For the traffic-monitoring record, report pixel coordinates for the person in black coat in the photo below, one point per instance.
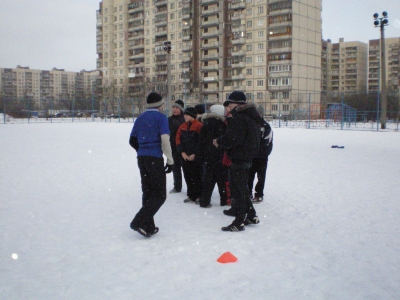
(242, 140)
(174, 122)
(213, 127)
(260, 163)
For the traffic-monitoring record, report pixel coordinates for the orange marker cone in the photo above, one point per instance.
(227, 257)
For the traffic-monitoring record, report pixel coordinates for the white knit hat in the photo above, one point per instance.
(218, 109)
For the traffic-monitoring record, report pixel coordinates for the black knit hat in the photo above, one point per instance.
(154, 100)
(191, 111)
(179, 104)
(200, 109)
(236, 97)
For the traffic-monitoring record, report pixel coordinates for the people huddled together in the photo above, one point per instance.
(226, 145)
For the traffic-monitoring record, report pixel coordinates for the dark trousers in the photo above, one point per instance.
(192, 172)
(259, 167)
(214, 173)
(240, 192)
(177, 171)
(154, 185)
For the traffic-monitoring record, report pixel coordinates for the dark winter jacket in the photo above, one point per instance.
(213, 127)
(187, 137)
(174, 123)
(266, 141)
(242, 136)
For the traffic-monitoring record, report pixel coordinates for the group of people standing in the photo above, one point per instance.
(227, 146)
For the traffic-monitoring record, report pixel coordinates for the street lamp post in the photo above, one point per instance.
(167, 49)
(382, 22)
(184, 86)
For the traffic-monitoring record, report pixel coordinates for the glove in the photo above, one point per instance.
(168, 168)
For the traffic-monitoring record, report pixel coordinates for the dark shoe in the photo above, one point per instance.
(188, 200)
(257, 199)
(234, 227)
(206, 206)
(174, 191)
(140, 230)
(252, 220)
(156, 229)
(229, 212)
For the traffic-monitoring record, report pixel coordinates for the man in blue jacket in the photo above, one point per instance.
(150, 138)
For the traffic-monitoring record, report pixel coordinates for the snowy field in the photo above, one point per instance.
(330, 224)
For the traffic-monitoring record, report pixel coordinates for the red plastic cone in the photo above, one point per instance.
(227, 257)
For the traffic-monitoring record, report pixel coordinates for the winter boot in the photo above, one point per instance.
(235, 226)
(257, 199)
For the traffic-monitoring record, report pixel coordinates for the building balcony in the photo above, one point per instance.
(161, 22)
(160, 2)
(210, 23)
(212, 33)
(214, 56)
(137, 55)
(239, 53)
(210, 79)
(213, 90)
(136, 7)
(209, 12)
(214, 67)
(161, 33)
(210, 45)
(238, 77)
(187, 37)
(136, 28)
(241, 28)
(239, 65)
(238, 5)
(208, 2)
(240, 41)
(186, 48)
(236, 17)
(186, 16)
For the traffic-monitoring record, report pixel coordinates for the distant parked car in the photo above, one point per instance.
(59, 115)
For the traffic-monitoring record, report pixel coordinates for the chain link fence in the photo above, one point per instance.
(356, 111)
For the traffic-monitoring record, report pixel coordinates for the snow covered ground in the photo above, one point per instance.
(330, 224)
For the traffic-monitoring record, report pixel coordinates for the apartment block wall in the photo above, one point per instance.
(43, 87)
(270, 49)
(392, 55)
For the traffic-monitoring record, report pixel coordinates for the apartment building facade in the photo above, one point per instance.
(344, 68)
(392, 57)
(45, 89)
(269, 49)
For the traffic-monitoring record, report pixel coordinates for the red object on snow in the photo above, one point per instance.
(227, 257)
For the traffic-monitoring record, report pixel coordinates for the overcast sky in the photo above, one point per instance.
(43, 34)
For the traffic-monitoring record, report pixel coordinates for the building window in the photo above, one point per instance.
(260, 71)
(260, 82)
(260, 9)
(249, 71)
(274, 107)
(260, 95)
(249, 23)
(260, 46)
(248, 83)
(260, 34)
(285, 107)
(249, 35)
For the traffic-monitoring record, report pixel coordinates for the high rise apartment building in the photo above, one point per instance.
(392, 57)
(269, 49)
(344, 68)
(45, 89)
